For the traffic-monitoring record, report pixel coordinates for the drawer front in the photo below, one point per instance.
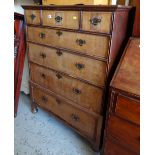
(112, 148)
(97, 21)
(88, 69)
(128, 109)
(84, 43)
(64, 19)
(32, 17)
(82, 121)
(83, 94)
(126, 133)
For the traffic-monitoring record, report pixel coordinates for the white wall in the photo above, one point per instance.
(18, 3)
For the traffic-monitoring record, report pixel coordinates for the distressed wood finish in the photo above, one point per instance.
(123, 116)
(112, 148)
(93, 71)
(72, 115)
(126, 133)
(32, 17)
(90, 44)
(72, 59)
(65, 19)
(97, 21)
(83, 94)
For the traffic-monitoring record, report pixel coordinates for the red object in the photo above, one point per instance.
(19, 56)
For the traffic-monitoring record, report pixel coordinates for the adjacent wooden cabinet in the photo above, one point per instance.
(122, 132)
(72, 50)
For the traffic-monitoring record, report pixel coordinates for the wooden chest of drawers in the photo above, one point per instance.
(72, 50)
(122, 133)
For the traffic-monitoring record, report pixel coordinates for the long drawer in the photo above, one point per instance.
(85, 43)
(88, 69)
(64, 19)
(125, 132)
(81, 93)
(80, 120)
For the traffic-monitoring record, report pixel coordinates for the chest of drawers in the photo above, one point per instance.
(122, 133)
(72, 50)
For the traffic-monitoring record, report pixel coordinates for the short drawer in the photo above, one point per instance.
(63, 19)
(126, 133)
(88, 96)
(85, 68)
(97, 21)
(112, 148)
(82, 121)
(84, 43)
(32, 17)
(128, 108)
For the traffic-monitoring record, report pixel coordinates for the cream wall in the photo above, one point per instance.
(18, 3)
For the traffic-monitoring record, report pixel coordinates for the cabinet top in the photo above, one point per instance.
(127, 75)
(78, 7)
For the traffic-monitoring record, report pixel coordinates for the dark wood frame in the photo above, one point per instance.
(19, 59)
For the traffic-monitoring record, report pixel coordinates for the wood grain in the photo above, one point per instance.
(70, 19)
(36, 20)
(103, 26)
(126, 133)
(75, 117)
(89, 97)
(93, 71)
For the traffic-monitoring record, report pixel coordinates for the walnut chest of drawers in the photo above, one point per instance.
(122, 133)
(72, 50)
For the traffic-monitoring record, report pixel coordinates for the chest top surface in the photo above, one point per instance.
(127, 75)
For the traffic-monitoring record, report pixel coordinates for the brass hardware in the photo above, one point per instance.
(75, 117)
(43, 76)
(59, 53)
(42, 35)
(43, 55)
(32, 16)
(44, 99)
(59, 33)
(80, 42)
(58, 19)
(76, 91)
(94, 21)
(58, 76)
(79, 66)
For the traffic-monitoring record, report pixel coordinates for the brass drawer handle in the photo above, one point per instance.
(79, 66)
(80, 42)
(42, 35)
(59, 33)
(75, 117)
(58, 19)
(43, 55)
(58, 76)
(94, 21)
(43, 75)
(44, 99)
(76, 91)
(32, 16)
(59, 53)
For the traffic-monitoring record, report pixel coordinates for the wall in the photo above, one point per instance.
(18, 3)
